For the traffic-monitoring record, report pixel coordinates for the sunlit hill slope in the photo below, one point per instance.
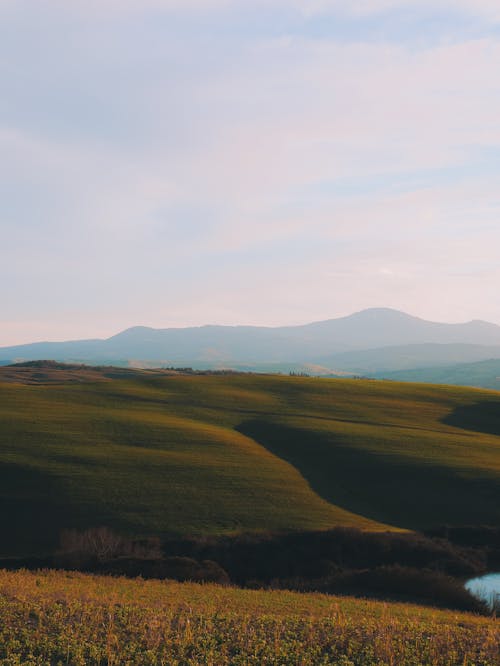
(67, 618)
(157, 453)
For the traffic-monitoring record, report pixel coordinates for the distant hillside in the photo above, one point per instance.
(394, 340)
(148, 452)
(406, 357)
(484, 374)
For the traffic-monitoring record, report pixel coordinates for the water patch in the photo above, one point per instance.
(486, 588)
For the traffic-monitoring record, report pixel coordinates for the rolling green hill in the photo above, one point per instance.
(158, 453)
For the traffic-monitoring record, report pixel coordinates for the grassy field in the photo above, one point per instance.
(51, 618)
(156, 454)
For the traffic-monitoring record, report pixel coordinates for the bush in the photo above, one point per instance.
(100, 544)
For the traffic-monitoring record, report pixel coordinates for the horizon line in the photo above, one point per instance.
(267, 326)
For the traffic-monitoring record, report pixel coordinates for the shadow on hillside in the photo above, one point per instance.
(385, 488)
(34, 507)
(482, 416)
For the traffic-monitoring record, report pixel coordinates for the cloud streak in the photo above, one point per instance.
(169, 163)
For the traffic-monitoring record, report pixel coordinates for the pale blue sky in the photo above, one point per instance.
(171, 163)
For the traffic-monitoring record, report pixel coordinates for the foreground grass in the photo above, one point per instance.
(49, 618)
(152, 454)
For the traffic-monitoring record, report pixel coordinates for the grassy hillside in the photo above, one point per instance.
(62, 618)
(152, 453)
(485, 374)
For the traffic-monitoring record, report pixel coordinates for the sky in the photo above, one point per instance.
(184, 162)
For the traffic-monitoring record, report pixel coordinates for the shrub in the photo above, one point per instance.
(100, 544)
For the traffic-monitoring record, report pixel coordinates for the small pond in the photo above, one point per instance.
(486, 588)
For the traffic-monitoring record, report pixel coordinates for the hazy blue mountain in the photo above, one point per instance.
(382, 327)
(366, 341)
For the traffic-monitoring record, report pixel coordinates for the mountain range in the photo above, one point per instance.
(371, 342)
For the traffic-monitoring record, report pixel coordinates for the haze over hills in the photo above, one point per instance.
(366, 342)
(482, 374)
(409, 357)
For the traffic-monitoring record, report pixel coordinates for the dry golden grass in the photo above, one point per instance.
(52, 618)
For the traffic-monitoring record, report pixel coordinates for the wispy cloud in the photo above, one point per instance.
(167, 163)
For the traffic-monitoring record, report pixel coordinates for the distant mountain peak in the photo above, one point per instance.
(481, 322)
(383, 312)
(203, 346)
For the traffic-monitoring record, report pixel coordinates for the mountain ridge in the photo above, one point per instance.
(360, 333)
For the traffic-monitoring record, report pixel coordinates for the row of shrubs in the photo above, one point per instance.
(394, 582)
(485, 538)
(267, 556)
(342, 561)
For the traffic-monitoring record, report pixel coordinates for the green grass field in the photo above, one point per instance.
(155, 454)
(50, 617)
